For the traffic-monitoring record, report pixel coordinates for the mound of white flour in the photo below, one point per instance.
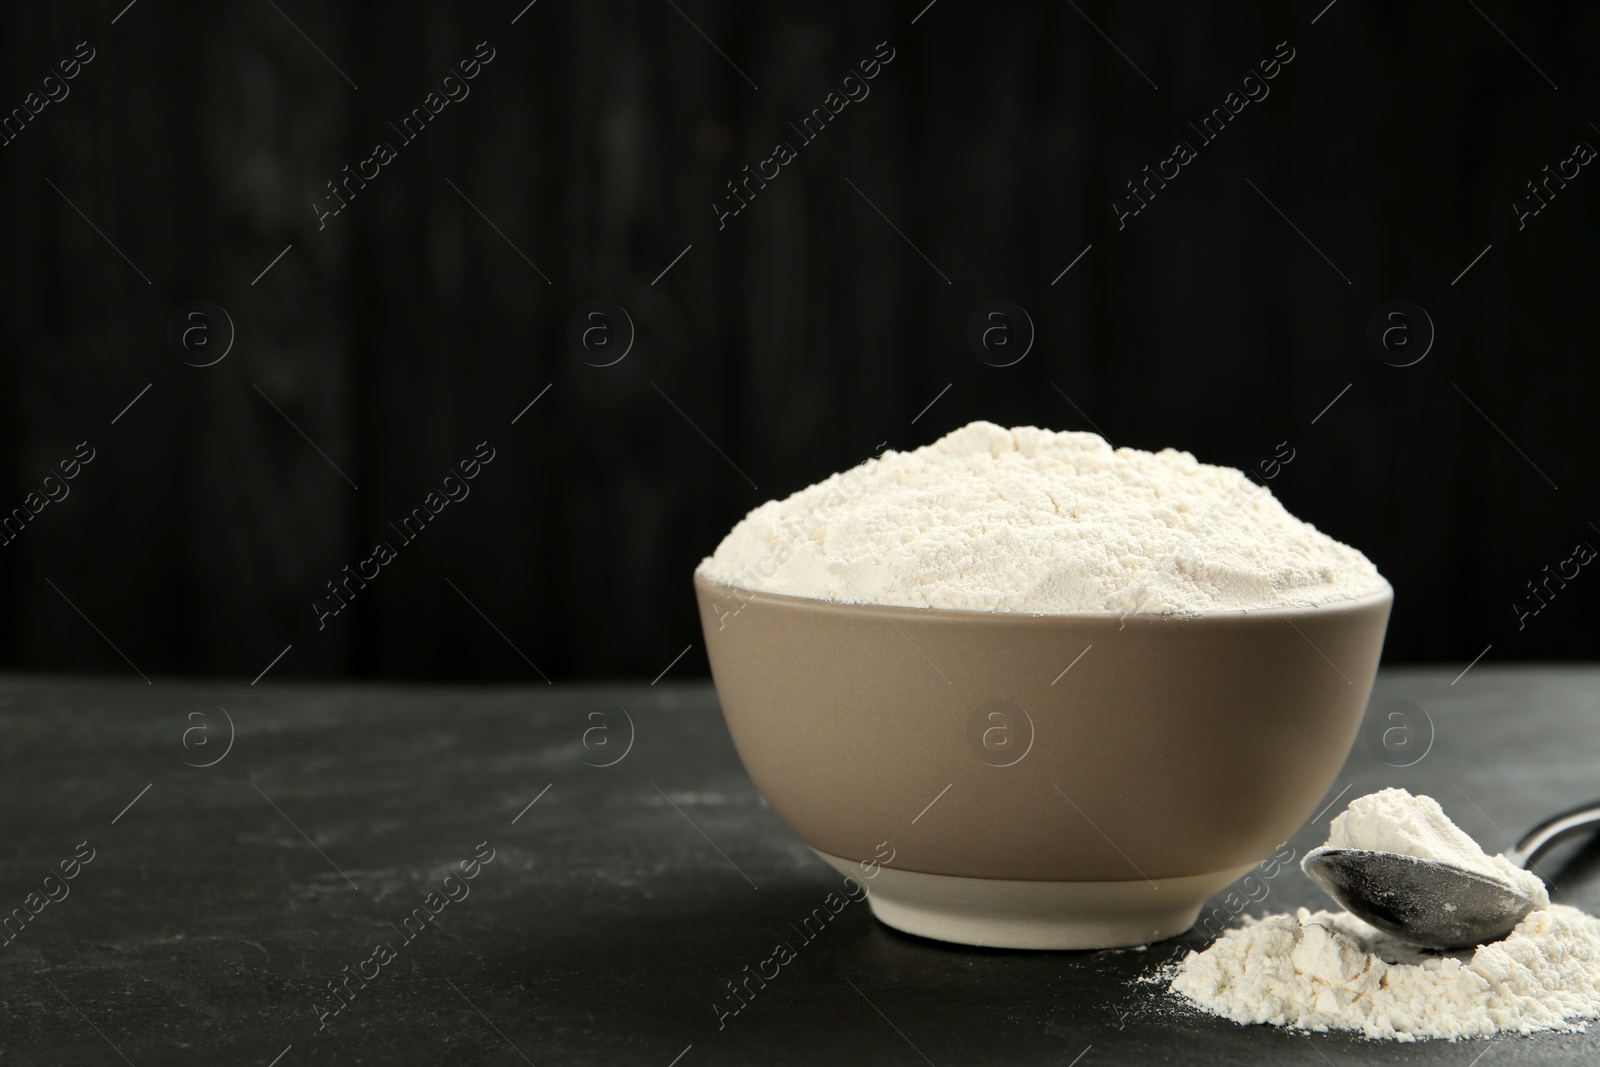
(1328, 971)
(1392, 820)
(1332, 971)
(1030, 520)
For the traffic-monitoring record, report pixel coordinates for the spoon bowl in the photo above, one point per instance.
(1424, 902)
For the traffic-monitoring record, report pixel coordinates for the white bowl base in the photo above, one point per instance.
(996, 913)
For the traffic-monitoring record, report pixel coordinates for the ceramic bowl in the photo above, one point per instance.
(1040, 781)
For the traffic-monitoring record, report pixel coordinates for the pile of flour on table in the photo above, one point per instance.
(1332, 971)
(1030, 520)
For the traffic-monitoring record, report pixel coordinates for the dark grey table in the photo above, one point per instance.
(221, 902)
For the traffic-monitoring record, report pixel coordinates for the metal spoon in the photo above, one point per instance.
(1434, 904)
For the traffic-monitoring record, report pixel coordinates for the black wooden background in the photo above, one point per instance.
(808, 333)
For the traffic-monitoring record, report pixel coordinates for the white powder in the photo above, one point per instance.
(1328, 971)
(1030, 520)
(1392, 820)
(1332, 971)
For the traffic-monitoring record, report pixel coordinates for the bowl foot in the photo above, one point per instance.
(997, 913)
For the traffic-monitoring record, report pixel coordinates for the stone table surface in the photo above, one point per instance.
(221, 901)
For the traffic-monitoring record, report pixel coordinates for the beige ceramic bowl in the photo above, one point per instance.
(1027, 781)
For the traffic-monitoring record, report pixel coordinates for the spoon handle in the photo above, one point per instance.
(1552, 832)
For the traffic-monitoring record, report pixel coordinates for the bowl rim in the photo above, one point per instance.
(996, 617)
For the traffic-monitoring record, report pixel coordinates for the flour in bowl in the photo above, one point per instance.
(1030, 520)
